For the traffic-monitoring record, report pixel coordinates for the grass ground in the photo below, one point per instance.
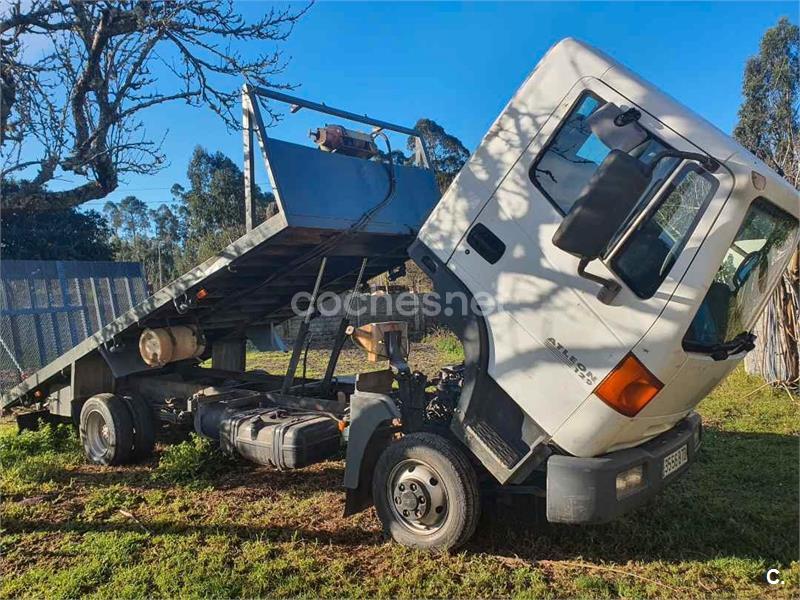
(192, 523)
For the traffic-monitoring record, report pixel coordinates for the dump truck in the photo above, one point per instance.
(602, 256)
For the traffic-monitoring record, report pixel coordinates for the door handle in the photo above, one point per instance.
(486, 243)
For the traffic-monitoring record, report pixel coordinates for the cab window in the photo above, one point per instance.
(647, 255)
(756, 257)
(570, 159)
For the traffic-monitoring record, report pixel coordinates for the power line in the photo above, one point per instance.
(153, 189)
(103, 202)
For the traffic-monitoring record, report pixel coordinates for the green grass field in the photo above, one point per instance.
(192, 523)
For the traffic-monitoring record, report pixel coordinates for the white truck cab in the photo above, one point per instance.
(628, 247)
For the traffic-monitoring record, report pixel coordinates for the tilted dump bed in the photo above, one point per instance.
(331, 205)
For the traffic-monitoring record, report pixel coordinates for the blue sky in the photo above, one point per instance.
(458, 63)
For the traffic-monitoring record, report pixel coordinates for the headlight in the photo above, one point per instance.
(630, 481)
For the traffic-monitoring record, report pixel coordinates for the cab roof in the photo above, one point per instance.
(692, 127)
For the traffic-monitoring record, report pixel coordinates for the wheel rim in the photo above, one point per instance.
(418, 496)
(98, 434)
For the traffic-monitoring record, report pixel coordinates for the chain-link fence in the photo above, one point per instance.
(48, 307)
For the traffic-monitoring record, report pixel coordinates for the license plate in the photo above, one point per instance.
(674, 461)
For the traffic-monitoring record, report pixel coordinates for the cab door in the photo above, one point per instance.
(552, 340)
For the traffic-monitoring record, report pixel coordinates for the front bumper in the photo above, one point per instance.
(584, 490)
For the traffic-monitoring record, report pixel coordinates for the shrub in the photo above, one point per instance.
(194, 459)
(16, 447)
(446, 342)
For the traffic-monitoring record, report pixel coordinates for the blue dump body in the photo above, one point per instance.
(330, 205)
(331, 191)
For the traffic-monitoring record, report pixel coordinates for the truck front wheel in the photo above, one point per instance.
(426, 493)
(106, 429)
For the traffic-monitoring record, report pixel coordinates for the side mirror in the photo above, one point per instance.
(602, 206)
(600, 211)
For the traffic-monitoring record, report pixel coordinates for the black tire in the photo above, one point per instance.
(445, 470)
(106, 429)
(144, 428)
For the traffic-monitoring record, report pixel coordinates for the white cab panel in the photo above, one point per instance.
(512, 131)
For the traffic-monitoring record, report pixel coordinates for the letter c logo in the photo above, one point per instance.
(773, 577)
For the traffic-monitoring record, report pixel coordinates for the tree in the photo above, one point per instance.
(446, 151)
(54, 235)
(76, 108)
(167, 226)
(204, 218)
(768, 118)
(169, 230)
(215, 198)
(214, 205)
(769, 127)
(152, 237)
(128, 218)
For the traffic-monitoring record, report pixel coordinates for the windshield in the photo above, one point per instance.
(751, 265)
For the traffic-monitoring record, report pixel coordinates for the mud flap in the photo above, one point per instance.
(370, 432)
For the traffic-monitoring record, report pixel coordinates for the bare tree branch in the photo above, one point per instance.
(77, 107)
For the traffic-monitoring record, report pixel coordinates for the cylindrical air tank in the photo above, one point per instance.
(169, 344)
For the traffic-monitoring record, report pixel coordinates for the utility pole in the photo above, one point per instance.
(160, 279)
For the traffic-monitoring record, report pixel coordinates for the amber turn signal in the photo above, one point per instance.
(629, 387)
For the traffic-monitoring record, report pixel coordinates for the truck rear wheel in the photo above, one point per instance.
(144, 428)
(426, 493)
(106, 429)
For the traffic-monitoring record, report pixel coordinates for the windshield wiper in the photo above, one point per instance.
(744, 342)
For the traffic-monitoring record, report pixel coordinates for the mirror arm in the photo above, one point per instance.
(709, 163)
(610, 287)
